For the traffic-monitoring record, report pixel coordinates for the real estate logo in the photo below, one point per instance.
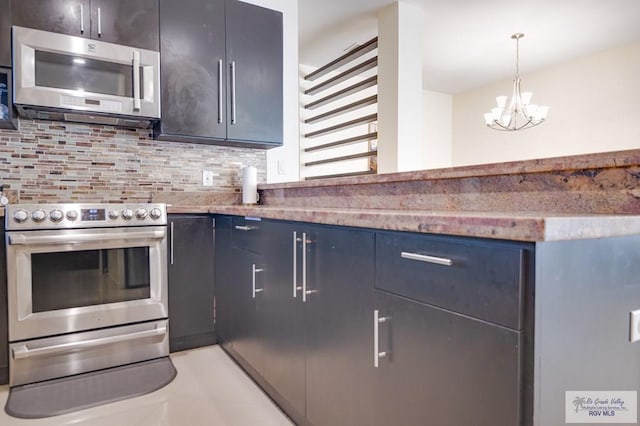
(601, 407)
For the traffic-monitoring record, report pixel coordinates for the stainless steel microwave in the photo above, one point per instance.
(62, 77)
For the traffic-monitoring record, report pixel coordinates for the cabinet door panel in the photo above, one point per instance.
(5, 33)
(254, 50)
(285, 351)
(248, 332)
(444, 369)
(192, 51)
(191, 282)
(128, 22)
(339, 336)
(59, 16)
(224, 282)
(4, 332)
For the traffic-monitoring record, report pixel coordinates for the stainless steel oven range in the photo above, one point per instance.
(87, 287)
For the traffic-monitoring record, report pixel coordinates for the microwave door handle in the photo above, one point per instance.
(136, 80)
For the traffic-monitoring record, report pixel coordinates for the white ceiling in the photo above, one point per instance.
(467, 42)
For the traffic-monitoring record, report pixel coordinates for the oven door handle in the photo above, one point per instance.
(24, 239)
(23, 351)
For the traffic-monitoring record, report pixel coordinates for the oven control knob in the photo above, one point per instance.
(56, 215)
(141, 213)
(20, 216)
(114, 214)
(38, 215)
(72, 215)
(127, 214)
(155, 213)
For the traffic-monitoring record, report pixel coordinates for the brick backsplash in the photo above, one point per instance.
(48, 161)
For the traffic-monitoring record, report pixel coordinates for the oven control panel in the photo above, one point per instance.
(62, 216)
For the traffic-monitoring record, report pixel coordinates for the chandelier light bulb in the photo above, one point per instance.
(520, 113)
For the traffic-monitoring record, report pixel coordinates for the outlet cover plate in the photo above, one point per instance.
(634, 326)
(207, 178)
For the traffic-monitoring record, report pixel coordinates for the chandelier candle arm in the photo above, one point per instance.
(520, 114)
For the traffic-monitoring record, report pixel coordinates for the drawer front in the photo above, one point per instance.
(246, 233)
(480, 279)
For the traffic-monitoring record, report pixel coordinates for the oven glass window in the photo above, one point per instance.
(84, 74)
(92, 277)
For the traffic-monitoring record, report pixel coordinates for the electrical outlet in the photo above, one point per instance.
(634, 326)
(207, 178)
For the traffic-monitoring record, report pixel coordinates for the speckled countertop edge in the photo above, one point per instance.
(567, 163)
(516, 226)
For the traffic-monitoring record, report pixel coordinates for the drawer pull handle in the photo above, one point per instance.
(429, 259)
(243, 228)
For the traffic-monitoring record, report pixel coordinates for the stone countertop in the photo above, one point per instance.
(603, 160)
(517, 226)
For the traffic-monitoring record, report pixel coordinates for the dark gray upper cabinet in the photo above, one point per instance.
(59, 16)
(5, 33)
(191, 282)
(254, 64)
(128, 22)
(220, 73)
(192, 67)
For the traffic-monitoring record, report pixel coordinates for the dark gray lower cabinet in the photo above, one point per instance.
(338, 319)
(442, 368)
(299, 316)
(191, 282)
(284, 346)
(4, 330)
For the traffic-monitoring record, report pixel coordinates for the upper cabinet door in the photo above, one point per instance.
(192, 63)
(59, 16)
(5, 33)
(254, 67)
(128, 22)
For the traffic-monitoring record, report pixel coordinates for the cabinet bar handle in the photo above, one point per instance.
(99, 23)
(136, 80)
(243, 228)
(295, 264)
(428, 259)
(233, 92)
(377, 320)
(255, 290)
(219, 91)
(172, 242)
(304, 266)
(81, 18)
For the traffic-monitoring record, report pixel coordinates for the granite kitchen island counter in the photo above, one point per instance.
(517, 226)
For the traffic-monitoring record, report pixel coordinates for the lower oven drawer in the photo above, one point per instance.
(53, 357)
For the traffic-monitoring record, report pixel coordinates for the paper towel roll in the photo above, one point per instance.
(249, 185)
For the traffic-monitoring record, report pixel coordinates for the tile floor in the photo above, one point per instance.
(210, 390)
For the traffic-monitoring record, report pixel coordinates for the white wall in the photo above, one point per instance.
(400, 36)
(282, 162)
(594, 107)
(437, 130)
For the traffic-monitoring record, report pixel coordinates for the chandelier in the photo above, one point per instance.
(520, 114)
